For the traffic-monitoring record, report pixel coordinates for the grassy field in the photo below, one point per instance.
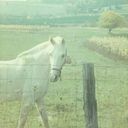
(64, 100)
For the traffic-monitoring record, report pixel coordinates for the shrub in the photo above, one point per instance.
(115, 45)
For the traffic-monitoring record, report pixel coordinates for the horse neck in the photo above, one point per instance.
(42, 57)
(34, 50)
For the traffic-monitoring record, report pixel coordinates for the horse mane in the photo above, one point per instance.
(33, 50)
(37, 48)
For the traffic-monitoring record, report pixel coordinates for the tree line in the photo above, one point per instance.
(97, 2)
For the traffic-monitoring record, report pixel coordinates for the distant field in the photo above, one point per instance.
(65, 99)
(38, 13)
(31, 35)
(124, 9)
(23, 8)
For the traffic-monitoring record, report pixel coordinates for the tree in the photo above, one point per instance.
(111, 20)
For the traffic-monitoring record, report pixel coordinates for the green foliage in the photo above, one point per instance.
(111, 20)
(28, 20)
(84, 6)
(81, 6)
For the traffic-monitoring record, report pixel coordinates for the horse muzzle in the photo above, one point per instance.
(55, 74)
(53, 78)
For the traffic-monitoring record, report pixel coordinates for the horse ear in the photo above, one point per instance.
(51, 40)
(63, 41)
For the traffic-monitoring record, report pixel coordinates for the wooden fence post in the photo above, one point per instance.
(90, 103)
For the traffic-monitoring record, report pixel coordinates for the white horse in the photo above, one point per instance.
(27, 77)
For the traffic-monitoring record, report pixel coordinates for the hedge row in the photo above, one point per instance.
(34, 20)
(112, 47)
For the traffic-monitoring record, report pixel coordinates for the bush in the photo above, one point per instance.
(115, 45)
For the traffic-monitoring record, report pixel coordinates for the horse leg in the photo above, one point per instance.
(41, 108)
(25, 109)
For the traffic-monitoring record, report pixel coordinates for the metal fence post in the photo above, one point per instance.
(90, 103)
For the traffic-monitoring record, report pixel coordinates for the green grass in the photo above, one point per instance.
(65, 99)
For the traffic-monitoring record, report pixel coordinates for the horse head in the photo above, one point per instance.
(57, 57)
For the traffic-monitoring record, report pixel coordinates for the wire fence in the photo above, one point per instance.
(111, 91)
(64, 101)
(61, 101)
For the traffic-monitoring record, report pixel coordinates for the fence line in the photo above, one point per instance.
(64, 100)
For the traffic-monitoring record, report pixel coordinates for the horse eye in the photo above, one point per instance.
(63, 56)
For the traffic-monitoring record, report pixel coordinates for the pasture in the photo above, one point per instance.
(65, 99)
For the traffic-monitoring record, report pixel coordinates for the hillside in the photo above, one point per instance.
(38, 13)
(23, 8)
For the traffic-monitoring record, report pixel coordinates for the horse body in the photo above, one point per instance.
(27, 77)
(25, 74)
